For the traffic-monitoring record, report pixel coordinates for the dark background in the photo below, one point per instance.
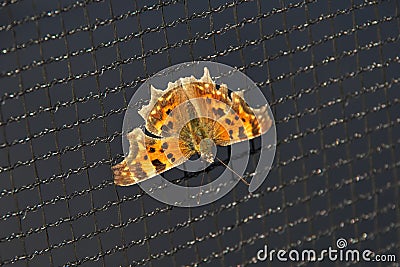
(330, 70)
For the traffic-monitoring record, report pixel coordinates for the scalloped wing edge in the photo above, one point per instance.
(155, 93)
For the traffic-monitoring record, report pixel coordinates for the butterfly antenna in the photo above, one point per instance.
(241, 178)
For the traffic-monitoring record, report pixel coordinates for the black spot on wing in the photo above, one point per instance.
(166, 128)
(158, 165)
(164, 145)
(218, 111)
(170, 124)
(230, 134)
(242, 134)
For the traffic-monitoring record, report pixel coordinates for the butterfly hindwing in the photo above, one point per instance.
(243, 122)
(148, 157)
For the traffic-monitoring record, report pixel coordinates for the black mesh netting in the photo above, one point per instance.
(330, 70)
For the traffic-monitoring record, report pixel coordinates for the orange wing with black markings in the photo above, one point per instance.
(148, 157)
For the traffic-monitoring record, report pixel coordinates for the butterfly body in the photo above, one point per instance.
(191, 116)
(200, 135)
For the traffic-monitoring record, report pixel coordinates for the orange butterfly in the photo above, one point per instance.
(187, 117)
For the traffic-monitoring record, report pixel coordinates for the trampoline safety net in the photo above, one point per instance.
(329, 69)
